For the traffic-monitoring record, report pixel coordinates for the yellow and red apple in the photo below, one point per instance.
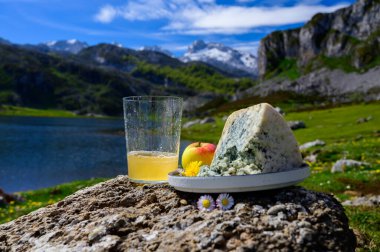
(203, 152)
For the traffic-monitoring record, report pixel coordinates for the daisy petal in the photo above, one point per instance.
(225, 201)
(206, 203)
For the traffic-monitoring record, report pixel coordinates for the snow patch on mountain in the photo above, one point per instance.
(223, 57)
(68, 46)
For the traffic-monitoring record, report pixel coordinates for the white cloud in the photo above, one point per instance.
(197, 17)
(241, 17)
(143, 10)
(250, 47)
(106, 14)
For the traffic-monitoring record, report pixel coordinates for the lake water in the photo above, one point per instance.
(40, 152)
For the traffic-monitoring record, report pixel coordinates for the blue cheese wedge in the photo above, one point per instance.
(254, 140)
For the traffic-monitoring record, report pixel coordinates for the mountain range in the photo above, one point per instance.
(334, 56)
(94, 79)
(226, 58)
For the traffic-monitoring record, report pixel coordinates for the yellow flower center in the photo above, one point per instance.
(192, 169)
(224, 202)
(206, 203)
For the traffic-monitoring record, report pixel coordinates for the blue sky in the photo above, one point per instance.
(171, 24)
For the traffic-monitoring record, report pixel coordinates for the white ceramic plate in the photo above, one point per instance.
(244, 183)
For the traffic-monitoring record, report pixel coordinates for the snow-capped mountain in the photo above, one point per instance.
(69, 46)
(156, 49)
(223, 57)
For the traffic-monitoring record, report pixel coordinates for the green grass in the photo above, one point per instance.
(42, 197)
(366, 222)
(287, 68)
(8, 110)
(337, 124)
(343, 63)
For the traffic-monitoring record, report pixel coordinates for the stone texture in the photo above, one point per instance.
(368, 200)
(314, 143)
(194, 104)
(332, 34)
(342, 164)
(208, 120)
(333, 85)
(294, 125)
(191, 123)
(119, 216)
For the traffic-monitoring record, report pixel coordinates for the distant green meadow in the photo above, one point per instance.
(8, 110)
(340, 128)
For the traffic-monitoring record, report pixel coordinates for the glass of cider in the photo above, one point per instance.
(152, 132)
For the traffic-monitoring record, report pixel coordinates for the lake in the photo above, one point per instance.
(40, 152)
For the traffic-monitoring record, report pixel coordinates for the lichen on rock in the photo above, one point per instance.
(157, 217)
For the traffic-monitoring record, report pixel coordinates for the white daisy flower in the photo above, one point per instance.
(225, 201)
(206, 203)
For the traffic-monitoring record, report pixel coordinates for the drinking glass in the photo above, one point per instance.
(152, 133)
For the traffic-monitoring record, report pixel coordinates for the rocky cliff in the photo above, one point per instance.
(119, 216)
(351, 34)
(335, 86)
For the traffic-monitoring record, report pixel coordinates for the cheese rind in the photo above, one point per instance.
(255, 140)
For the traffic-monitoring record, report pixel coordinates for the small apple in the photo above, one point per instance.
(198, 151)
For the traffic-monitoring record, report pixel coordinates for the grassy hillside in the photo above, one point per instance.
(194, 76)
(85, 84)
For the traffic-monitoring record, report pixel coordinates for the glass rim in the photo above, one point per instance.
(151, 98)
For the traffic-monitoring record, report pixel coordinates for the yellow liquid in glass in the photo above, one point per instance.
(151, 166)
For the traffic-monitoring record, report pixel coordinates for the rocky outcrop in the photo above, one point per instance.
(119, 216)
(333, 85)
(199, 103)
(352, 32)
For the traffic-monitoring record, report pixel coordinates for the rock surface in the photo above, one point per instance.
(334, 85)
(342, 164)
(294, 125)
(369, 200)
(207, 120)
(254, 140)
(191, 123)
(308, 145)
(119, 216)
(351, 31)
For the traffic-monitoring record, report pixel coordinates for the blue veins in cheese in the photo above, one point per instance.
(254, 140)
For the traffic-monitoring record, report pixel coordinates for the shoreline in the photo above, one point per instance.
(10, 110)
